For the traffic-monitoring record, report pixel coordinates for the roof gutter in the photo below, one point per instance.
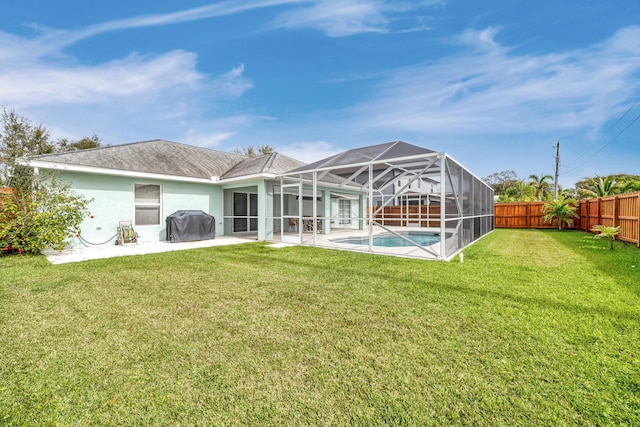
(114, 172)
(247, 177)
(133, 174)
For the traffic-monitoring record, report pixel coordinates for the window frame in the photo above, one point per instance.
(146, 204)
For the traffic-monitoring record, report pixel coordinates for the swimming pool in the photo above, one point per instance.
(389, 240)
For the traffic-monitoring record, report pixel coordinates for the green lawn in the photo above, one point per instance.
(534, 328)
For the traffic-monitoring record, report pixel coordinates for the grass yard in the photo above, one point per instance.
(534, 328)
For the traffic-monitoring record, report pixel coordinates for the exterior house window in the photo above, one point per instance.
(344, 211)
(147, 204)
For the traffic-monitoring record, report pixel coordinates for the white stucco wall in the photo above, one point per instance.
(113, 202)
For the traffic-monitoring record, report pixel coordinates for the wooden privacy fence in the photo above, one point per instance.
(520, 215)
(421, 215)
(622, 210)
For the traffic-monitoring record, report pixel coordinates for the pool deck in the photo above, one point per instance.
(327, 241)
(82, 253)
(85, 253)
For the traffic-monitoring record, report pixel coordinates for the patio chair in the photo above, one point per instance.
(293, 224)
(311, 224)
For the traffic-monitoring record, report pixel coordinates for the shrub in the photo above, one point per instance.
(562, 210)
(606, 231)
(43, 218)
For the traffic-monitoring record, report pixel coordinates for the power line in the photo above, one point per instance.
(602, 137)
(607, 144)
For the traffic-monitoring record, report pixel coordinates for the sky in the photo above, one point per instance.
(494, 84)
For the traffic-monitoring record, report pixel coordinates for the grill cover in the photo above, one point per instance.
(188, 226)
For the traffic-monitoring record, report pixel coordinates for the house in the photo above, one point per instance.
(393, 198)
(144, 182)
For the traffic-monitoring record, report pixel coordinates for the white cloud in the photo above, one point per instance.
(337, 18)
(232, 83)
(131, 98)
(342, 18)
(135, 78)
(483, 40)
(309, 152)
(491, 90)
(225, 8)
(137, 97)
(206, 139)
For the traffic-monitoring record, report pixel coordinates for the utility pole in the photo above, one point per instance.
(555, 185)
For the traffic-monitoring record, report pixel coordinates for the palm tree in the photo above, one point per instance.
(601, 187)
(607, 231)
(630, 187)
(519, 192)
(540, 184)
(561, 210)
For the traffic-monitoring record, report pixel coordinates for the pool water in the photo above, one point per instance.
(391, 240)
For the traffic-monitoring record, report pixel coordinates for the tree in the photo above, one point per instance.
(562, 210)
(250, 151)
(500, 181)
(82, 144)
(540, 184)
(20, 138)
(628, 183)
(569, 193)
(601, 187)
(45, 217)
(606, 231)
(518, 192)
(630, 187)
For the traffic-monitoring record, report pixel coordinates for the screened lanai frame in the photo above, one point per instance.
(459, 206)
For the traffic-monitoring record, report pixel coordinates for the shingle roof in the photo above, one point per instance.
(274, 163)
(172, 158)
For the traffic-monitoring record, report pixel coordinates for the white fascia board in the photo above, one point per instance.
(115, 172)
(247, 178)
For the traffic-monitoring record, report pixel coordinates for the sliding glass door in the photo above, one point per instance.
(245, 212)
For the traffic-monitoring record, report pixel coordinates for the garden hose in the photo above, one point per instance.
(85, 242)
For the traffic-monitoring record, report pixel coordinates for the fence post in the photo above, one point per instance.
(580, 220)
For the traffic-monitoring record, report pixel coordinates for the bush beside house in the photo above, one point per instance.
(44, 218)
